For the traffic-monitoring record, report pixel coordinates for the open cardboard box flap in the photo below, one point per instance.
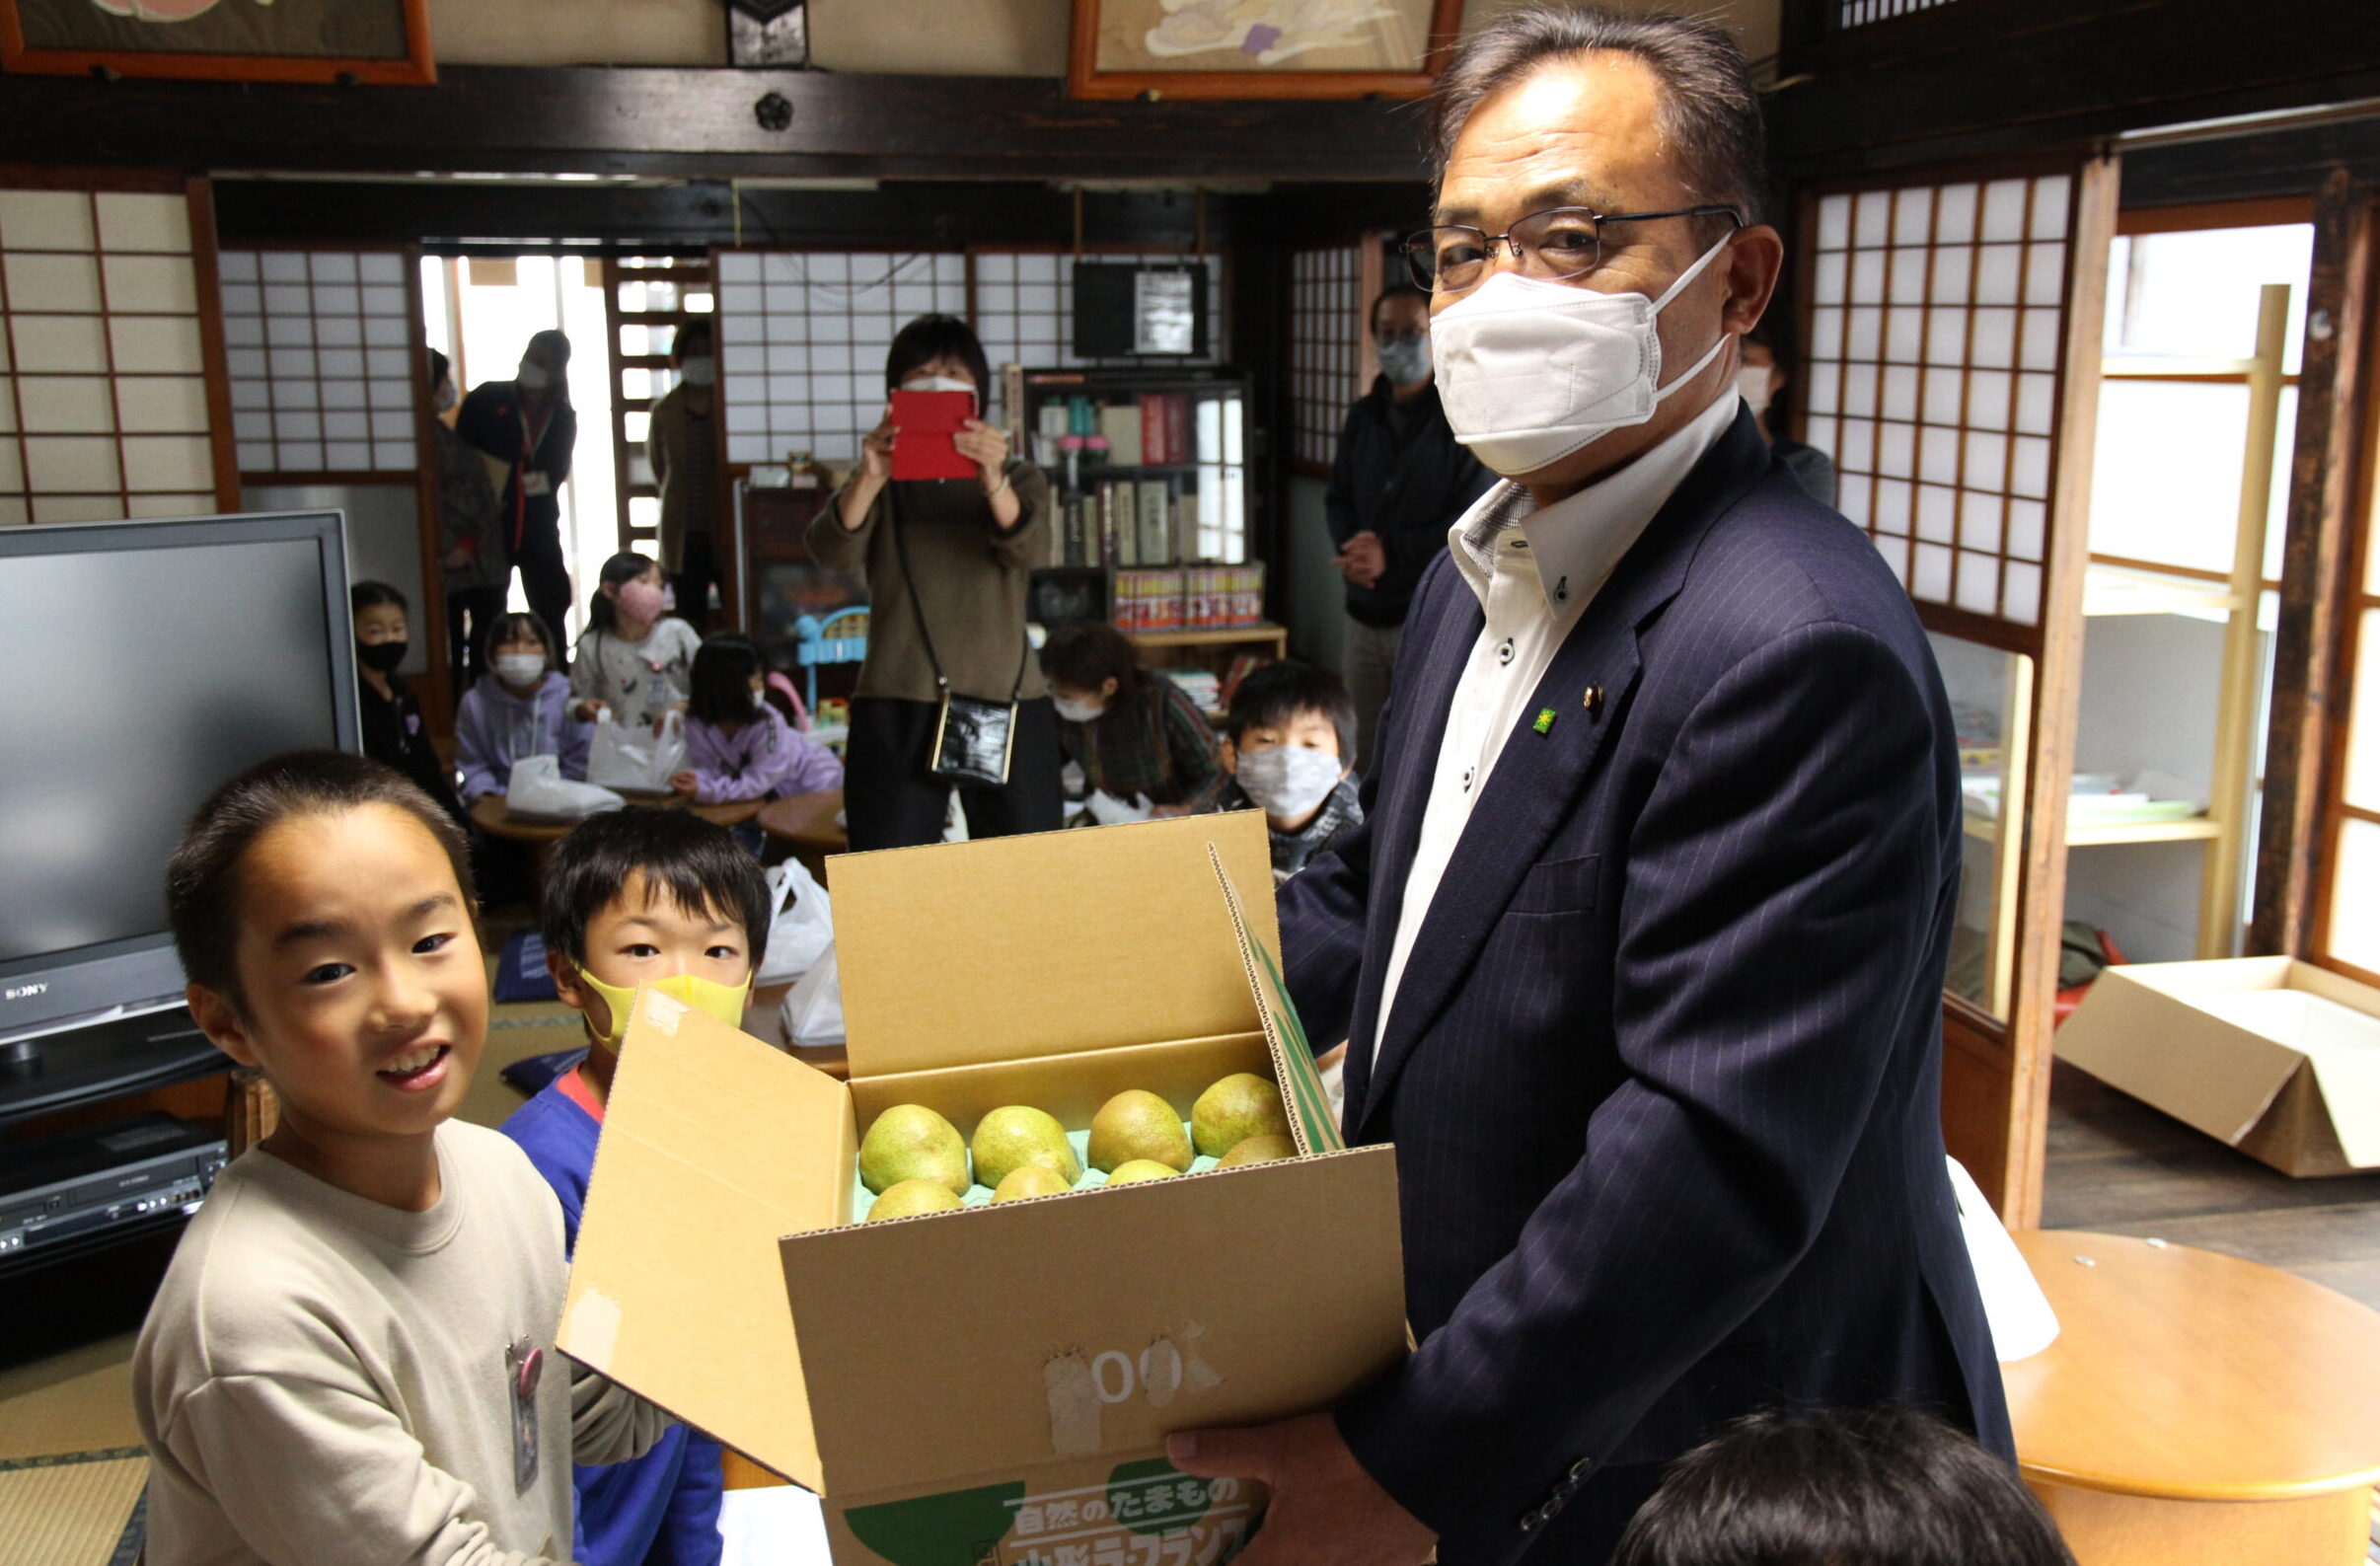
(2214, 1044)
(714, 1146)
(1045, 945)
(1067, 1326)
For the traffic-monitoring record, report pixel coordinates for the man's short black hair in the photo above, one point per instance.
(203, 879)
(698, 867)
(1884, 1486)
(1395, 291)
(1277, 693)
(932, 337)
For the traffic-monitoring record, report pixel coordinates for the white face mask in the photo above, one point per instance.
(1530, 371)
(937, 383)
(1752, 384)
(699, 369)
(1074, 712)
(533, 378)
(1287, 781)
(520, 668)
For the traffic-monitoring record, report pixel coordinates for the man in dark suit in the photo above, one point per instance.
(1639, 951)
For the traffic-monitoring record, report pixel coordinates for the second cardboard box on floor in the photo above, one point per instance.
(995, 1385)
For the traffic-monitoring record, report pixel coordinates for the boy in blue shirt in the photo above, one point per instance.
(665, 898)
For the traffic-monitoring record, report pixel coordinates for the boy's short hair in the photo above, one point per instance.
(202, 879)
(1888, 1486)
(371, 595)
(718, 685)
(1086, 653)
(696, 865)
(1275, 693)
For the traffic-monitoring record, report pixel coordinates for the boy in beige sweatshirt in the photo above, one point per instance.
(350, 1357)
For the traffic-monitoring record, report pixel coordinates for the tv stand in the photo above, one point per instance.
(110, 1057)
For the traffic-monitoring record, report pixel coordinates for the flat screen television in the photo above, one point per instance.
(147, 662)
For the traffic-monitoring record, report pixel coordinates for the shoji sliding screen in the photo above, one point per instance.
(1948, 324)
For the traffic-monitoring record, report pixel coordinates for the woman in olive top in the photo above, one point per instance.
(970, 544)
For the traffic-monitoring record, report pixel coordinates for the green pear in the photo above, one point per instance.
(1030, 1179)
(1239, 1106)
(1133, 1170)
(909, 1142)
(1006, 1139)
(1257, 1149)
(1138, 1125)
(908, 1198)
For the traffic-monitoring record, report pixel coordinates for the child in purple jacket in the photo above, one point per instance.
(737, 746)
(519, 707)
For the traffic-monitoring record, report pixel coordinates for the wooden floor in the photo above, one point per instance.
(2121, 1167)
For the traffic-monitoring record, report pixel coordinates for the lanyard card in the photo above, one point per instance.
(923, 422)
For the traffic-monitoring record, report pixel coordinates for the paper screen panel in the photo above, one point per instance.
(103, 369)
(803, 339)
(1934, 341)
(322, 348)
(1326, 346)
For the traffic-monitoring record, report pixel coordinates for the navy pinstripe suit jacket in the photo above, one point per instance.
(1664, 1075)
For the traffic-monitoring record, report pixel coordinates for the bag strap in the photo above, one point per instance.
(916, 609)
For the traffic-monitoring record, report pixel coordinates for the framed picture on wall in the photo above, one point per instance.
(1259, 49)
(384, 42)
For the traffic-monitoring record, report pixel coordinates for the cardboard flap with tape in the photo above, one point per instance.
(1046, 944)
(1096, 1323)
(714, 1146)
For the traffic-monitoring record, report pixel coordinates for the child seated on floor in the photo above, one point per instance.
(737, 745)
(633, 659)
(665, 898)
(350, 1357)
(1131, 729)
(1888, 1486)
(393, 728)
(1290, 730)
(520, 707)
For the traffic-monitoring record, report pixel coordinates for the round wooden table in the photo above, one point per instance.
(2196, 1407)
(805, 824)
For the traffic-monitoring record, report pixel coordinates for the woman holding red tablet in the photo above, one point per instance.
(947, 560)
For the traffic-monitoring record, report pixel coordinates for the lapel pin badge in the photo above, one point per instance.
(1544, 722)
(1594, 698)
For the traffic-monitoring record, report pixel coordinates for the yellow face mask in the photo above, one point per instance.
(722, 1001)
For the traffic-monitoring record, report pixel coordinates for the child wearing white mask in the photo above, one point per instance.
(1133, 732)
(1290, 737)
(520, 707)
(630, 659)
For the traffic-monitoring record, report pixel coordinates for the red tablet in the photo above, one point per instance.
(924, 421)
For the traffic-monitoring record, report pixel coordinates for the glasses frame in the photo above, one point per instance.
(1425, 273)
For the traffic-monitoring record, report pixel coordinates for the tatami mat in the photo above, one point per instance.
(70, 1511)
(79, 1400)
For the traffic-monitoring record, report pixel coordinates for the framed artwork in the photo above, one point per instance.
(1259, 49)
(385, 42)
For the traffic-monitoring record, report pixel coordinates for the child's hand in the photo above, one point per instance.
(682, 785)
(586, 712)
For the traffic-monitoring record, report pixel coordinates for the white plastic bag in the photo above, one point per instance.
(635, 758)
(2020, 1315)
(538, 788)
(813, 1011)
(802, 923)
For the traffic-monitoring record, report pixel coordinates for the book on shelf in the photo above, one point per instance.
(1128, 523)
(1153, 429)
(1154, 511)
(1106, 507)
(1120, 422)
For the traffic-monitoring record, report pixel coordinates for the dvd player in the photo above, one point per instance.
(94, 1178)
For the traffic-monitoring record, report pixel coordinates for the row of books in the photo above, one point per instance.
(1155, 429)
(1129, 522)
(1189, 597)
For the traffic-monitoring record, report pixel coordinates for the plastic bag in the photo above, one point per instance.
(635, 758)
(802, 923)
(538, 788)
(813, 1011)
(2019, 1314)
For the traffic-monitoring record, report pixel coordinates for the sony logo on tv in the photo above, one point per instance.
(24, 992)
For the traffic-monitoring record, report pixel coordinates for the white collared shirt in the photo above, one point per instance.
(1536, 572)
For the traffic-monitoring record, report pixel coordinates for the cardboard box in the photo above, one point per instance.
(2279, 1058)
(995, 1385)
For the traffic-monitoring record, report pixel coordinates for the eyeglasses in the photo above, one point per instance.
(1561, 242)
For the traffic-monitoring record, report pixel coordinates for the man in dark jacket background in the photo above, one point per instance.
(1398, 481)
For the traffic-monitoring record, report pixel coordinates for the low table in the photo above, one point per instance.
(805, 824)
(2196, 1407)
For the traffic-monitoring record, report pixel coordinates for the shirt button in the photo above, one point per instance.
(1562, 591)
(1503, 653)
(1466, 778)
